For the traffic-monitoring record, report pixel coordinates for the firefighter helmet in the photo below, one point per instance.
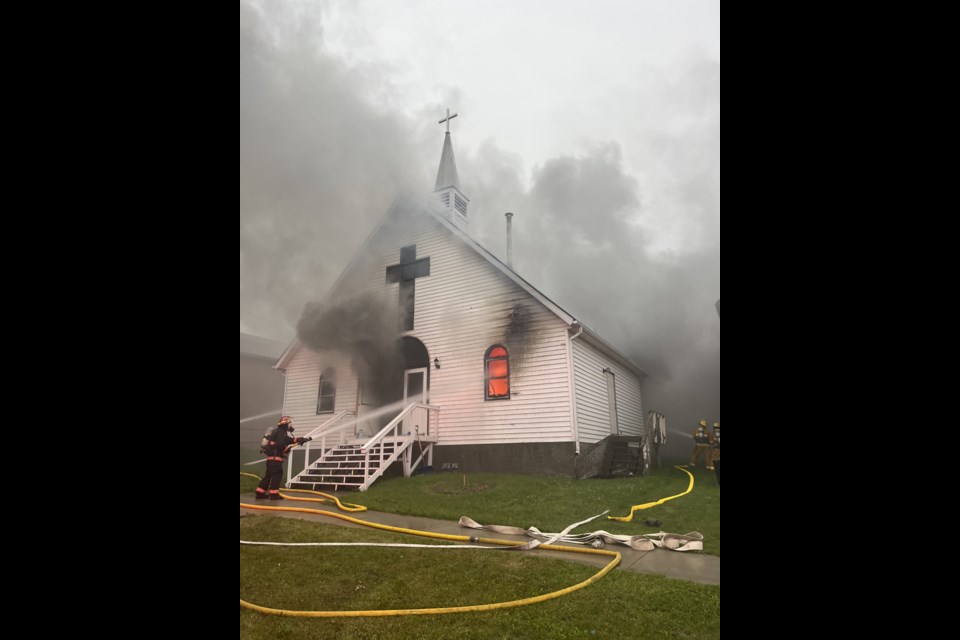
(703, 423)
(285, 420)
(716, 425)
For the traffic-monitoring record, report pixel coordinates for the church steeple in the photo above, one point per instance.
(447, 173)
(453, 203)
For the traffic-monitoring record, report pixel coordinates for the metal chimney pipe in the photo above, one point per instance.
(509, 240)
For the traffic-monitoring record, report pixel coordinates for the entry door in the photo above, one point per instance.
(366, 426)
(415, 390)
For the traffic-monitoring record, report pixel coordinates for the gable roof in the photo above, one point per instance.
(428, 207)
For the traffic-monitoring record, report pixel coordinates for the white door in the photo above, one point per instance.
(366, 426)
(415, 390)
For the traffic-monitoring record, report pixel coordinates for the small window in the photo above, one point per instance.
(328, 391)
(496, 374)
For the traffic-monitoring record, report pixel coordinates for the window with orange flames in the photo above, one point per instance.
(496, 374)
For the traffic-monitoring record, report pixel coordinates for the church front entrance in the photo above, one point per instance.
(400, 377)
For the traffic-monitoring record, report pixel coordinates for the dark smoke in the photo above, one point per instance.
(365, 327)
(576, 238)
(518, 337)
(319, 165)
(333, 325)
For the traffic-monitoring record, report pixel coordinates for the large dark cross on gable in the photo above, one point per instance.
(406, 273)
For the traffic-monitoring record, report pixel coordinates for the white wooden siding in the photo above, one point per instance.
(462, 308)
(303, 387)
(593, 413)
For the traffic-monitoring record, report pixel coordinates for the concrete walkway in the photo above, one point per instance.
(690, 565)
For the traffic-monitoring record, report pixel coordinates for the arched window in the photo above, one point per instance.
(328, 390)
(496, 374)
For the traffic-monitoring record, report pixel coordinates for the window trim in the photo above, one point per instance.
(331, 374)
(486, 372)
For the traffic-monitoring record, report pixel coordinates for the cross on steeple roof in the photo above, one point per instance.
(448, 119)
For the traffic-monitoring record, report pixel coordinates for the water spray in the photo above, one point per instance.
(262, 415)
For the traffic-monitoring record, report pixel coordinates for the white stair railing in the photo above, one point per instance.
(393, 434)
(319, 435)
(376, 460)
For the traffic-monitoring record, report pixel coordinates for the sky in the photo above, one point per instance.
(597, 124)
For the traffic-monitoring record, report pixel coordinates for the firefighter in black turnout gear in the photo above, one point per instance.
(277, 447)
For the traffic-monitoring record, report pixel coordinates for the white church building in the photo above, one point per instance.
(430, 351)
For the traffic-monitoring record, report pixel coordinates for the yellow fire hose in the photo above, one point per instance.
(614, 555)
(647, 505)
(343, 506)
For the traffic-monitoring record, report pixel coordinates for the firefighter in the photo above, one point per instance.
(701, 445)
(278, 446)
(716, 450)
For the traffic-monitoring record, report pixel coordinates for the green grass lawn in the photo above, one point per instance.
(549, 503)
(622, 604)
